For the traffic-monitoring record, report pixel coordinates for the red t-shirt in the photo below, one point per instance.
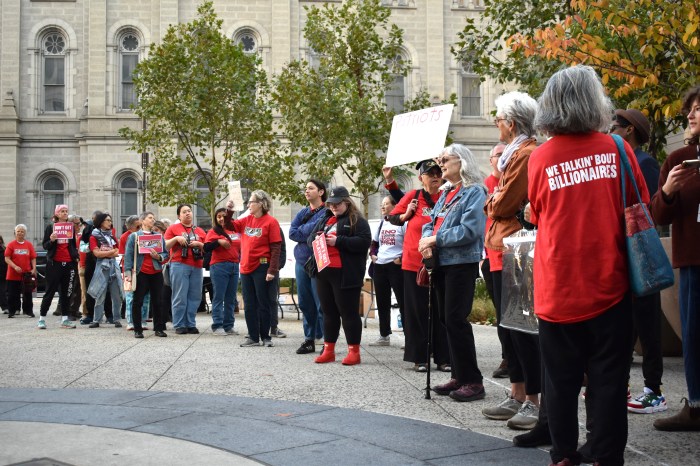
(441, 218)
(580, 265)
(256, 236)
(62, 253)
(225, 255)
(195, 234)
(495, 257)
(96, 244)
(122, 241)
(21, 254)
(147, 265)
(411, 259)
(333, 253)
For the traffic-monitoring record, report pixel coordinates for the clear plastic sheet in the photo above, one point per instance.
(517, 296)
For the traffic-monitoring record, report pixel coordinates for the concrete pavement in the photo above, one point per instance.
(197, 398)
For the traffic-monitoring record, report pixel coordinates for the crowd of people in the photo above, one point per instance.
(454, 225)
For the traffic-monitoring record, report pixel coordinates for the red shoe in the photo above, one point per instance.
(446, 388)
(353, 356)
(468, 392)
(328, 354)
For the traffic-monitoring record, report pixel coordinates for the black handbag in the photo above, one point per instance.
(28, 282)
(310, 267)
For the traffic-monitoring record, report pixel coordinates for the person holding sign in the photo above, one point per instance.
(339, 282)
(454, 240)
(261, 244)
(61, 266)
(414, 210)
(225, 247)
(150, 256)
(107, 275)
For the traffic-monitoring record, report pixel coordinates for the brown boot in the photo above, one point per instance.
(687, 420)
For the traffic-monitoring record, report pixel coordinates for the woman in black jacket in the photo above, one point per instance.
(339, 285)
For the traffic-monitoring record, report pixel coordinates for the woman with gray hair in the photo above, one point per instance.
(261, 245)
(581, 283)
(454, 240)
(20, 257)
(515, 118)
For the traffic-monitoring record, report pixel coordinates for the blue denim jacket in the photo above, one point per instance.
(129, 255)
(460, 239)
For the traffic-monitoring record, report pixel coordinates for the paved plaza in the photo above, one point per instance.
(89, 396)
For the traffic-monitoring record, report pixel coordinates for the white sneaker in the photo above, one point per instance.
(504, 410)
(219, 332)
(381, 341)
(526, 418)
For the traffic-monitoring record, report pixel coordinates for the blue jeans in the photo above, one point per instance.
(144, 309)
(256, 298)
(224, 280)
(115, 294)
(309, 304)
(186, 282)
(689, 301)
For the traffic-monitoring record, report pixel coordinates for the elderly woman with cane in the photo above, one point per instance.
(454, 240)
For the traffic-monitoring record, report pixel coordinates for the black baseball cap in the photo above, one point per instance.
(337, 194)
(425, 166)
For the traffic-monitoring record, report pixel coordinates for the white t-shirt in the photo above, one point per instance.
(390, 239)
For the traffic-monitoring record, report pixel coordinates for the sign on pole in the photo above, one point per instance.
(236, 195)
(418, 135)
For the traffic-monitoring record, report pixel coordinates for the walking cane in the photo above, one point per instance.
(430, 329)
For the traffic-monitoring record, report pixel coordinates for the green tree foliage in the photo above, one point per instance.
(647, 52)
(335, 115)
(206, 105)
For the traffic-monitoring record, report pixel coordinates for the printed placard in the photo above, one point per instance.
(148, 243)
(321, 252)
(63, 230)
(418, 135)
(235, 194)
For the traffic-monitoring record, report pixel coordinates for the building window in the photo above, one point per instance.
(53, 193)
(53, 72)
(396, 93)
(128, 199)
(247, 40)
(470, 89)
(128, 59)
(201, 207)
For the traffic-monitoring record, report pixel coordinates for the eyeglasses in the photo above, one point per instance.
(444, 159)
(253, 202)
(433, 173)
(496, 155)
(616, 127)
(497, 120)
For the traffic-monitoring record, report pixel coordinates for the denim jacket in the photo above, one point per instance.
(106, 270)
(129, 255)
(460, 239)
(299, 232)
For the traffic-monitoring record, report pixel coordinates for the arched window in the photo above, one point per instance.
(53, 192)
(128, 59)
(202, 215)
(127, 198)
(53, 75)
(470, 89)
(247, 39)
(396, 94)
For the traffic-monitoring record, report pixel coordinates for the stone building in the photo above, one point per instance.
(65, 84)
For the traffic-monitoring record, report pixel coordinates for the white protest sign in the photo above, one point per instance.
(236, 195)
(418, 135)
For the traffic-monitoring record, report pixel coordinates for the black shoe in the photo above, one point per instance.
(30, 315)
(138, 334)
(117, 324)
(86, 320)
(193, 330)
(307, 347)
(502, 371)
(181, 331)
(537, 437)
(10, 316)
(585, 453)
(160, 333)
(94, 324)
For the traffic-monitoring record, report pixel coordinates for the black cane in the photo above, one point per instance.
(430, 330)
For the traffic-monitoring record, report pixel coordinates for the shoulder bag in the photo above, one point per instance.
(649, 268)
(131, 285)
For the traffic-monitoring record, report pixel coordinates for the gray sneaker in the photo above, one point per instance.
(268, 343)
(381, 341)
(277, 333)
(219, 332)
(504, 410)
(249, 342)
(231, 332)
(526, 418)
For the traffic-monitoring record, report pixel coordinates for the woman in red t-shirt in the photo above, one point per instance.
(261, 243)
(20, 258)
(225, 247)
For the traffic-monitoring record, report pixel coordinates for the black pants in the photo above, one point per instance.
(14, 292)
(503, 333)
(600, 347)
(646, 315)
(526, 352)
(454, 287)
(339, 304)
(274, 298)
(3, 291)
(61, 277)
(89, 310)
(146, 282)
(387, 277)
(416, 325)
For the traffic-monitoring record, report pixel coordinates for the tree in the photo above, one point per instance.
(335, 115)
(207, 112)
(647, 52)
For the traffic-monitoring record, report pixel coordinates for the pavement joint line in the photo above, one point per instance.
(173, 362)
(149, 394)
(99, 366)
